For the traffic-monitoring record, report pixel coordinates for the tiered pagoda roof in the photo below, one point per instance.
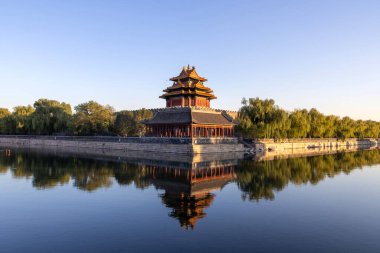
(188, 112)
(188, 82)
(188, 200)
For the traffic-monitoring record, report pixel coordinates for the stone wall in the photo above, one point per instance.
(292, 153)
(278, 145)
(107, 144)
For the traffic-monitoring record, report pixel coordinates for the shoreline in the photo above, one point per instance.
(126, 144)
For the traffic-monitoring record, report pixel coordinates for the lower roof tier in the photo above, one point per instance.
(189, 115)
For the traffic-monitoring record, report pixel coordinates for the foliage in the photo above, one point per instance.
(18, 121)
(92, 118)
(129, 123)
(264, 119)
(261, 179)
(50, 116)
(256, 180)
(258, 119)
(4, 114)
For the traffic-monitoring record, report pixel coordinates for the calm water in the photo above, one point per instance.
(327, 203)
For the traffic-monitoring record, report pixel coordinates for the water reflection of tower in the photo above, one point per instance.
(188, 191)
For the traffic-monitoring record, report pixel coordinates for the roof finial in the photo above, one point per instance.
(193, 68)
(184, 68)
(188, 66)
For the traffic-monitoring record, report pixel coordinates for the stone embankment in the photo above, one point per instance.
(291, 144)
(109, 144)
(293, 153)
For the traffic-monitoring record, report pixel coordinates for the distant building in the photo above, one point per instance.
(188, 112)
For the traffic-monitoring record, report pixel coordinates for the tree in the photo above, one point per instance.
(317, 123)
(17, 122)
(300, 124)
(4, 113)
(129, 123)
(262, 119)
(92, 118)
(331, 124)
(360, 129)
(372, 129)
(50, 116)
(345, 128)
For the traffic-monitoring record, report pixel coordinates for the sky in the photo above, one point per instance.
(322, 54)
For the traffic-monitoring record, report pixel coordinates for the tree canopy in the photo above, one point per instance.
(264, 119)
(50, 116)
(128, 123)
(258, 119)
(92, 118)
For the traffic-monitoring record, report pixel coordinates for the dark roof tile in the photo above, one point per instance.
(210, 118)
(187, 116)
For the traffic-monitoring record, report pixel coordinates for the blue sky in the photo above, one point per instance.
(317, 53)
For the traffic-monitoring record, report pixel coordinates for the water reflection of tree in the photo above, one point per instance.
(261, 179)
(131, 173)
(48, 171)
(256, 179)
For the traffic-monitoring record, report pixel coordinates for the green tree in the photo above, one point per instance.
(4, 114)
(92, 118)
(262, 119)
(360, 129)
(50, 116)
(300, 124)
(129, 123)
(18, 121)
(372, 129)
(345, 128)
(331, 124)
(317, 123)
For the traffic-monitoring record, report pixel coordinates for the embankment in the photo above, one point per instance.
(111, 144)
(292, 144)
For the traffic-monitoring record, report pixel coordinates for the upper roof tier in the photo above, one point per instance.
(188, 83)
(188, 73)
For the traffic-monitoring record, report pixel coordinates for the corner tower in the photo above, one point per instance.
(188, 113)
(188, 90)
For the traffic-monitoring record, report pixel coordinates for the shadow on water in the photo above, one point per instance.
(188, 184)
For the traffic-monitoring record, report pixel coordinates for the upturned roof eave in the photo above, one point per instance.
(202, 79)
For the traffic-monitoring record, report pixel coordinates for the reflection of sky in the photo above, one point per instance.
(339, 214)
(322, 54)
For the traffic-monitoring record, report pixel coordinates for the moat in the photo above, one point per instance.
(56, 202)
